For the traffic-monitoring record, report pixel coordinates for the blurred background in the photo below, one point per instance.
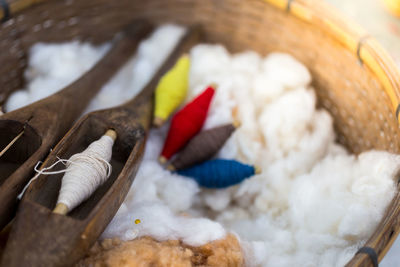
(381, 18)
(378, 18)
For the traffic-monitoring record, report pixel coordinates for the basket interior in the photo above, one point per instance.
(345, 86)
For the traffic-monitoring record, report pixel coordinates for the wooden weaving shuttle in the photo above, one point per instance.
(44, 122)
(40, 237)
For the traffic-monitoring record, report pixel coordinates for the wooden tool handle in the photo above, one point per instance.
(79, 93)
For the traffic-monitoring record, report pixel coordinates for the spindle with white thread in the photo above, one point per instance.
(86, 171)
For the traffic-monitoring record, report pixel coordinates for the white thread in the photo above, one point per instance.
(42, 171)
(85, 172)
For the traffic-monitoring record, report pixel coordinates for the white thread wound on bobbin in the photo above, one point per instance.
(85, 172)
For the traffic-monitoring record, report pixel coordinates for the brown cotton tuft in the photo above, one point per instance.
(146, 251)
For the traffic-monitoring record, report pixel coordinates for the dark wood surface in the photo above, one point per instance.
(42, 238)
(47, 120)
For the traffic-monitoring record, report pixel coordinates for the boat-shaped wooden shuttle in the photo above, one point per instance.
(43, 123)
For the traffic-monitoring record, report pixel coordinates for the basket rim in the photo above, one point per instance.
(352, 36)
(355, 39)
(372, 55)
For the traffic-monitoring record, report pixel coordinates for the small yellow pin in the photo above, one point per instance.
(137, 221)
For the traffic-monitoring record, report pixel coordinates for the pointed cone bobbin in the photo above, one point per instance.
(61, 208)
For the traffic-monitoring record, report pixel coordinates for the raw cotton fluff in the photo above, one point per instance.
(307, 206)
(52, 67)
(313, 204)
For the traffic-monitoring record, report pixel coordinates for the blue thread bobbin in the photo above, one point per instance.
(219, 173)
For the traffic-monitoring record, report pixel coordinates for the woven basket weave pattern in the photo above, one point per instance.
(362, 102)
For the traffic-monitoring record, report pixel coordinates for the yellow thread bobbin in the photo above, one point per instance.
(171, 90)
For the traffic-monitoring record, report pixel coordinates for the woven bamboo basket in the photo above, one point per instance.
(354, 78)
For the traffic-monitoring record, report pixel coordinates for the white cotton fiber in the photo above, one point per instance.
(265, 90)
(52, 67)
(159, 222)
(283, 133)
(209, 66)
(15, 99)
(313, 204)
(217, 200)
(286, 70)
(63, 61)
(302, 209)
(155, 183)
(246, 63)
